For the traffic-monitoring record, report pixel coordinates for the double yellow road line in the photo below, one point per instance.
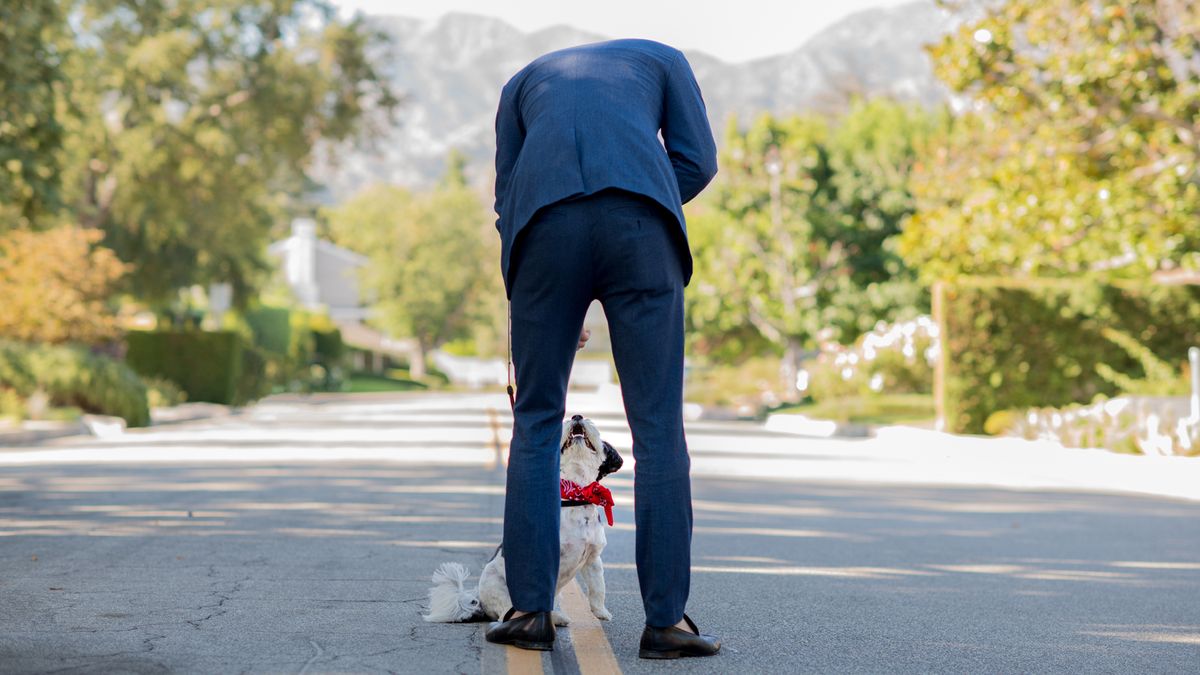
(593, 653)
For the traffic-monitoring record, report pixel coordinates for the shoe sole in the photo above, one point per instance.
(526, 644)
(536, 646)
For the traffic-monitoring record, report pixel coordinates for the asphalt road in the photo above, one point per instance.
(224, 547)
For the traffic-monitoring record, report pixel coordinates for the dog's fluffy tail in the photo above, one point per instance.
(450, 601)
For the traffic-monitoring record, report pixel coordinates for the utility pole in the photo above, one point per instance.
(1194, 360)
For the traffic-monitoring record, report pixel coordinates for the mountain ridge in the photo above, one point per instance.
(450, 71)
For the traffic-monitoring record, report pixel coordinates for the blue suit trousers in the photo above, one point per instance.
(624, 250)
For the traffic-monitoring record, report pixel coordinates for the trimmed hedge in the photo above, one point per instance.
(206, 365)
(1013, 345)
(294, 350)
(271, 327)
(73, 376)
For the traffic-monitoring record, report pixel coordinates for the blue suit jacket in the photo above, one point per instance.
(579, 120)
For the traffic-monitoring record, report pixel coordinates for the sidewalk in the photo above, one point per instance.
(911, 456)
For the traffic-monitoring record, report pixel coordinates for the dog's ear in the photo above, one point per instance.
(612, 461)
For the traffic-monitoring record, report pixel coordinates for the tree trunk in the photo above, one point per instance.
(416, 361)
(789, 368)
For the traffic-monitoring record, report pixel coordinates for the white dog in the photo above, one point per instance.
(584, 458)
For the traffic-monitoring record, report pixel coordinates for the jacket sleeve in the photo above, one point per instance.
(686, 133)
(510, 136)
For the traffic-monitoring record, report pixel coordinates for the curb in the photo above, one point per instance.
(188, 412)
(33, 433)
(806, 426)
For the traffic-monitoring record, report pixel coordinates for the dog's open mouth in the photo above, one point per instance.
(577, 436)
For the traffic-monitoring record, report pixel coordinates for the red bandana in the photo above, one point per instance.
(595, 493)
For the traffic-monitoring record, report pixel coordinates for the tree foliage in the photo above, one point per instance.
(1083, 152)
(55, 286)
(193, 121)
(795, 246)
(433, 256)
(31, 93)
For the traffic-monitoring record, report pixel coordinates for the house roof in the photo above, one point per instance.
(280, 247)
(362, 336)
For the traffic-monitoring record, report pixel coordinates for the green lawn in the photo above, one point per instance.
(366, 383)
(887, 409)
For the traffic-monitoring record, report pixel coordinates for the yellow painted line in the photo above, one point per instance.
(523, 661)
(592, 650)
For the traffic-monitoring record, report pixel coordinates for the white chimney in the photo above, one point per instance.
(302, 261)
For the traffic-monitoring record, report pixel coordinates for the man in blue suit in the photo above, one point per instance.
(590, 207)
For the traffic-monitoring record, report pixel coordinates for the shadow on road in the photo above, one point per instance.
(208, 568)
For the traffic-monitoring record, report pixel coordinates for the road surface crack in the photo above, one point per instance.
(219, 607)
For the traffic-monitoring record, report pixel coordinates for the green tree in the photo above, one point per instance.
(718, 327)
(433, 260)
(796, 245)
(194, 122)
(1083, 153)
(456, 170)
(31, 93)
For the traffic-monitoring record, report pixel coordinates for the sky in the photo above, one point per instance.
(733, 30)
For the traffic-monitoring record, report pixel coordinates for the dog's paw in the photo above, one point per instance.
(602, 613)
(560, 619)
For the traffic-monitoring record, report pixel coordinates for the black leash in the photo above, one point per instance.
(512, 393)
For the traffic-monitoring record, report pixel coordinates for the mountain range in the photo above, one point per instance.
(449, 72)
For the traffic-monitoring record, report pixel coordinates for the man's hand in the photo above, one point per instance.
(583, 338)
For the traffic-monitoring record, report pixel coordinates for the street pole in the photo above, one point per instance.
(1194, 360)
(790, 367)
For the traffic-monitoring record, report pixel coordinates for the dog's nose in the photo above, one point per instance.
(577, 418)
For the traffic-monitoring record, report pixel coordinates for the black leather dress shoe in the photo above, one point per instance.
(672, 642)
(528, 631)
